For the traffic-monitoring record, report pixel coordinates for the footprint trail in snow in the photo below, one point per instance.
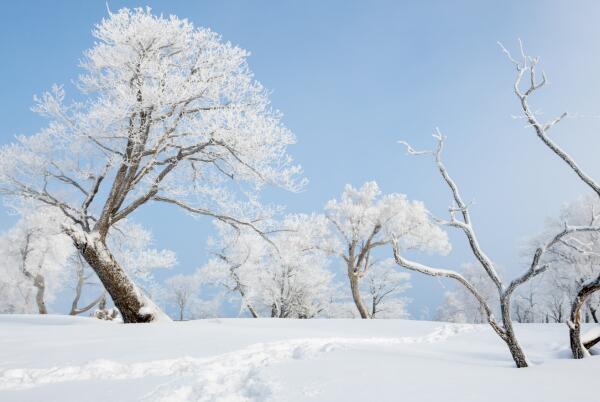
(233, 376)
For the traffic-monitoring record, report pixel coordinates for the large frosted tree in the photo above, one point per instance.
(170, 114)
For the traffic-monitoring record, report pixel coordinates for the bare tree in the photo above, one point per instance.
(505, 329)
(527, 65)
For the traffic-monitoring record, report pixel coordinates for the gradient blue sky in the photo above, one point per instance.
(354, 77)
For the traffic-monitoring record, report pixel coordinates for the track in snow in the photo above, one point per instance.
(233, 376)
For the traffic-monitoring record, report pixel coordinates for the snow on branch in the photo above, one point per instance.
(528, 66)
(460, 207)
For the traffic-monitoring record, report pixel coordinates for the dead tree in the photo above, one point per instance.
(527, 65)
(461, 219)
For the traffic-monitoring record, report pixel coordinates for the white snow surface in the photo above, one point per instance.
(57, 358)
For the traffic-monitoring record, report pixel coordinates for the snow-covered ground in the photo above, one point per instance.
(56, 358)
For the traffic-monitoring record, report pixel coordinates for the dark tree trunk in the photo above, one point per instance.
(509, 336)
(40, 284)
(578, 349)
(594, 313)
(128, 299)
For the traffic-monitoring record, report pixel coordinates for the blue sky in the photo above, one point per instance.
(354, 77)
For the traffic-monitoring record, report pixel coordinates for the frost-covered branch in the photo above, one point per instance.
(528, 65)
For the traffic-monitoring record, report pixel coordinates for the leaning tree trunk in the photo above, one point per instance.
(578, 348)
(40, 284)
(129, 300)
(358, 301)
(509, 336)
(251, 310)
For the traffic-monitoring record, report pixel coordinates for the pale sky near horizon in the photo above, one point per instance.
(354, 77)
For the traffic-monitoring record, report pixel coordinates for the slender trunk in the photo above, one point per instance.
(40, 284)
(133, 305)
(252, 310)
(78, 289)
(181, 313)
(594, 314)
(509, 334)
(358, 301)
(578, 349)
(374, 307)
(75, 309)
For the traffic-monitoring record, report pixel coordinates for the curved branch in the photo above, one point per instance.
(427, 270)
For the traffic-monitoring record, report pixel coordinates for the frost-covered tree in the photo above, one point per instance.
(383, 286)
(460, 218)
(364, 220)
(33, 257)
(459, 305)
(180, 291)
(170, 114)
(285, 277)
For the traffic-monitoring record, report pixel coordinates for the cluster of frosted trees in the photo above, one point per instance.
(288, 274)
(172, 116)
